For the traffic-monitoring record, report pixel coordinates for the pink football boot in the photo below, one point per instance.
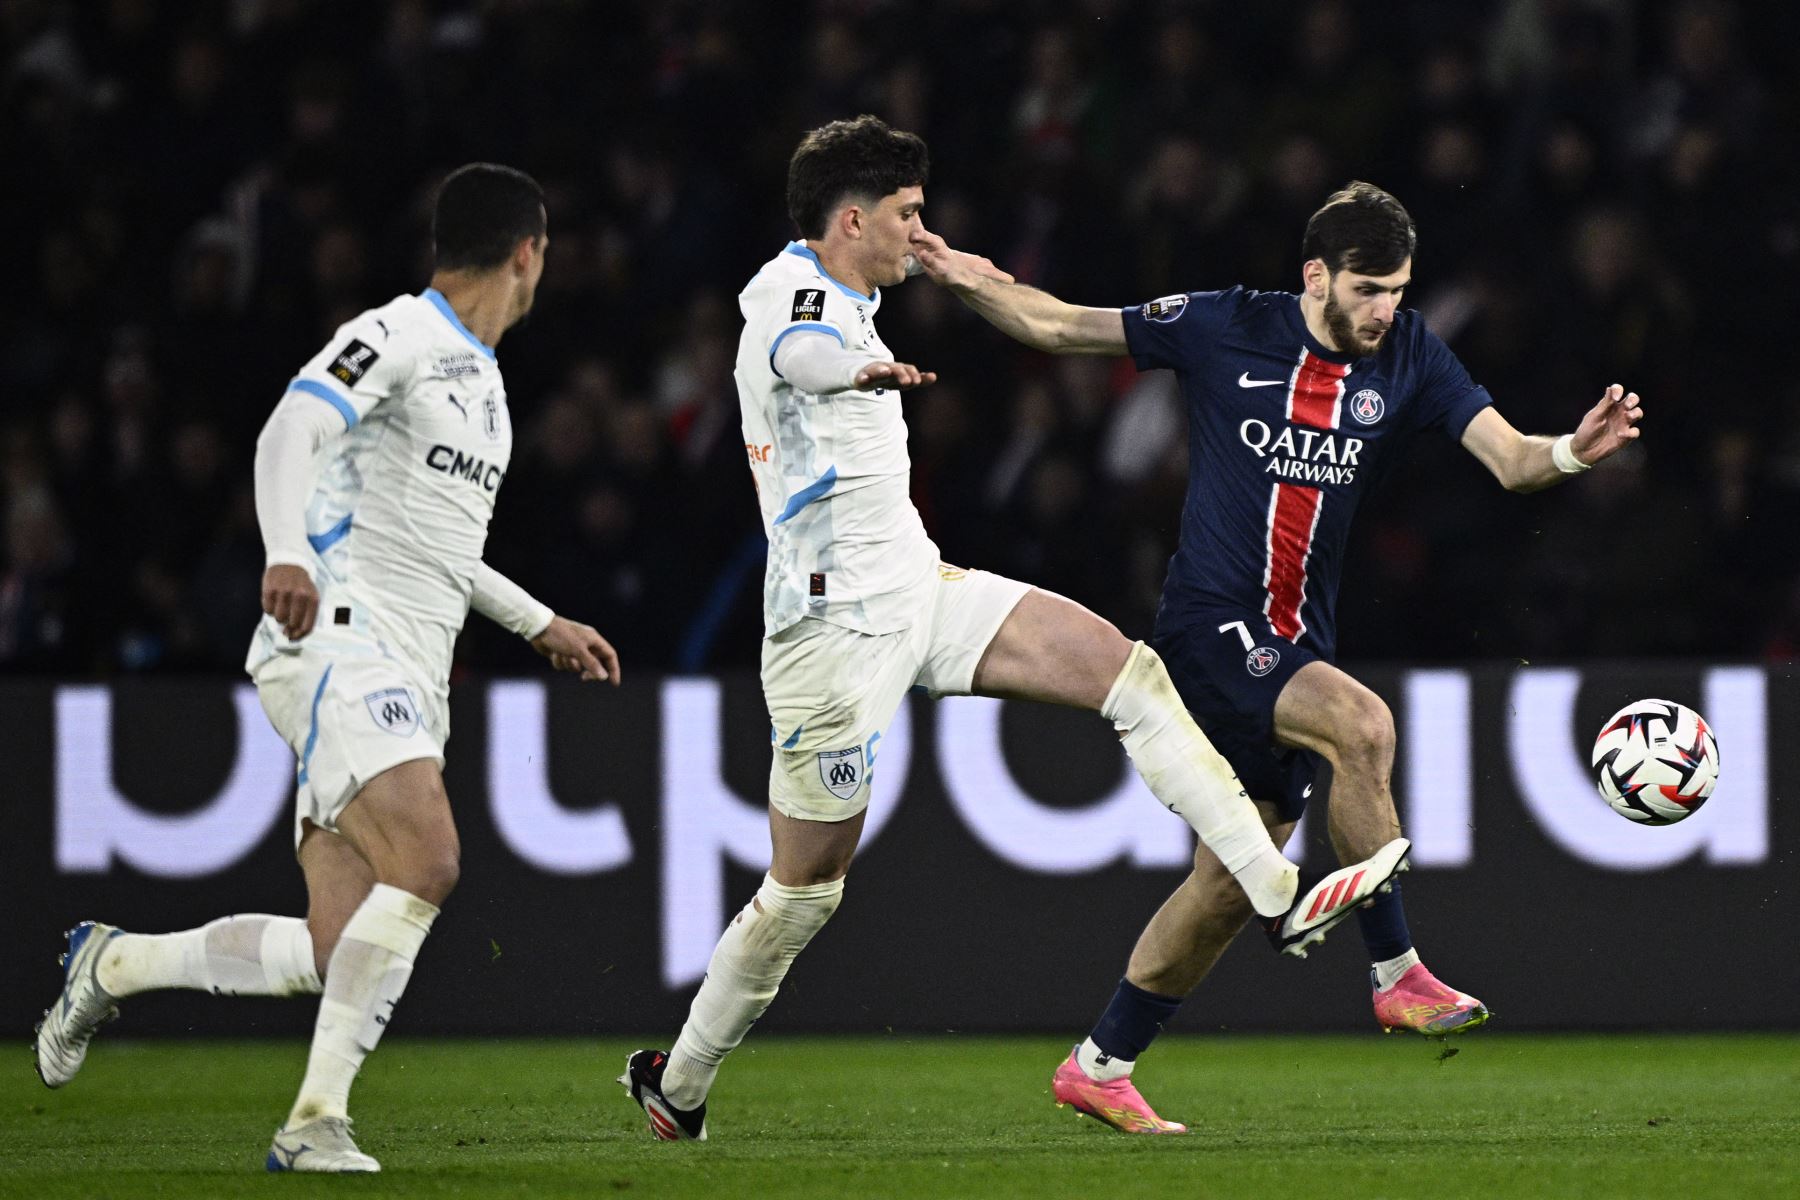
(1117, 1103)
(1418, 1002)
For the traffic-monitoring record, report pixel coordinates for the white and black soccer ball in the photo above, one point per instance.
(1656, 762)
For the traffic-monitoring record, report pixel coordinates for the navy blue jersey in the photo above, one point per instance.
(1284, 438)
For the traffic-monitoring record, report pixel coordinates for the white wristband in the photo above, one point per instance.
(1562, 453)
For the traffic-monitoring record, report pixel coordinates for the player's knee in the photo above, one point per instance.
(430, 872)
(1365, 729)
(438, 876)
(822, 869)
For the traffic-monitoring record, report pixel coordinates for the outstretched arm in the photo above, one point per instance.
(1024, 313)
(1531, 463)
(569, 645)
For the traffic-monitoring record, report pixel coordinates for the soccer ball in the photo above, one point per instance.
(1656, 762)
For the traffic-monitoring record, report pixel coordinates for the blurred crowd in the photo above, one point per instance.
(197, 193)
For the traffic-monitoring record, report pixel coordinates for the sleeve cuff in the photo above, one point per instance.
(284, 558)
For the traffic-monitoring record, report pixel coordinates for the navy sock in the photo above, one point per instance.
(1132, 1021)
(1384, 927)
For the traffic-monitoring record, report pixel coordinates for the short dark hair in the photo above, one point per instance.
(1361, 228)
(862, 157)
(484, 210)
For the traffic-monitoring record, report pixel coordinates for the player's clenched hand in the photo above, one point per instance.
(1607, 426)
(572, 646)
(899, 376)
(953, 268)
(289, 596)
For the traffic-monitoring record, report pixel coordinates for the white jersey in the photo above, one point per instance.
(399, 516)
(832, 473)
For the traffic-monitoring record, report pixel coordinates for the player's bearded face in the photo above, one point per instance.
(1359, 309)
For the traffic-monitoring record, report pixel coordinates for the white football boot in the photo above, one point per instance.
(1319, 908)
(323, 1145)
(63, 1034)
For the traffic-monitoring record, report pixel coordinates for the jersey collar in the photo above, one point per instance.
(442, 305)
(805, 251)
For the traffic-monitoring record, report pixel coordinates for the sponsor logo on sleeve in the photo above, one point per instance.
(809, 305)
(352, 363)
(1166, 309)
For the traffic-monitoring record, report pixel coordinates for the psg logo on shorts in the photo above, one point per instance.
(1262, 660)
(1367, 406)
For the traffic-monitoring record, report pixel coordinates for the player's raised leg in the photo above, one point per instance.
(1325, 710)
(400, 824)
(246, 954)
(1052, 649)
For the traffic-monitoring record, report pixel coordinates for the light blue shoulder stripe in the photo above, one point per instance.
(808, 494)
(805, 251)
(798, 327)
(313, 387)
(443, 306)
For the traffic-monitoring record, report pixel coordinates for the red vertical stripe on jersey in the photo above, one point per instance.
(1315, 398)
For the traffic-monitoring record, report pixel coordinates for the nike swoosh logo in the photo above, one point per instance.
(1306, 791)
(1245, 381)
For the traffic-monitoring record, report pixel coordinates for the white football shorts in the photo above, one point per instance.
(832, 691)
(349, 714)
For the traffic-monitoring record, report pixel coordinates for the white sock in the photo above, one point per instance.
(364, 980)
(747, 967)
(1096, 1066)
(1193, 779)
(1389, 970)
(251, 954)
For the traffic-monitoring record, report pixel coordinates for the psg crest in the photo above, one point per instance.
(1367, 406)
(1262, 660)
(841, 771)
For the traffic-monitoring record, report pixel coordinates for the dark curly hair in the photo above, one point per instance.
(1361, 228)
(863, 158)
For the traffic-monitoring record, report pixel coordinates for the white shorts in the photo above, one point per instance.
(349, 714)
(832, 691)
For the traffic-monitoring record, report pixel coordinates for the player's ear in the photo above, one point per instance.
(850, 220)
(1317, 277)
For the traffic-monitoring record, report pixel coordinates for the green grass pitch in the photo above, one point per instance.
(1350, 1118)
